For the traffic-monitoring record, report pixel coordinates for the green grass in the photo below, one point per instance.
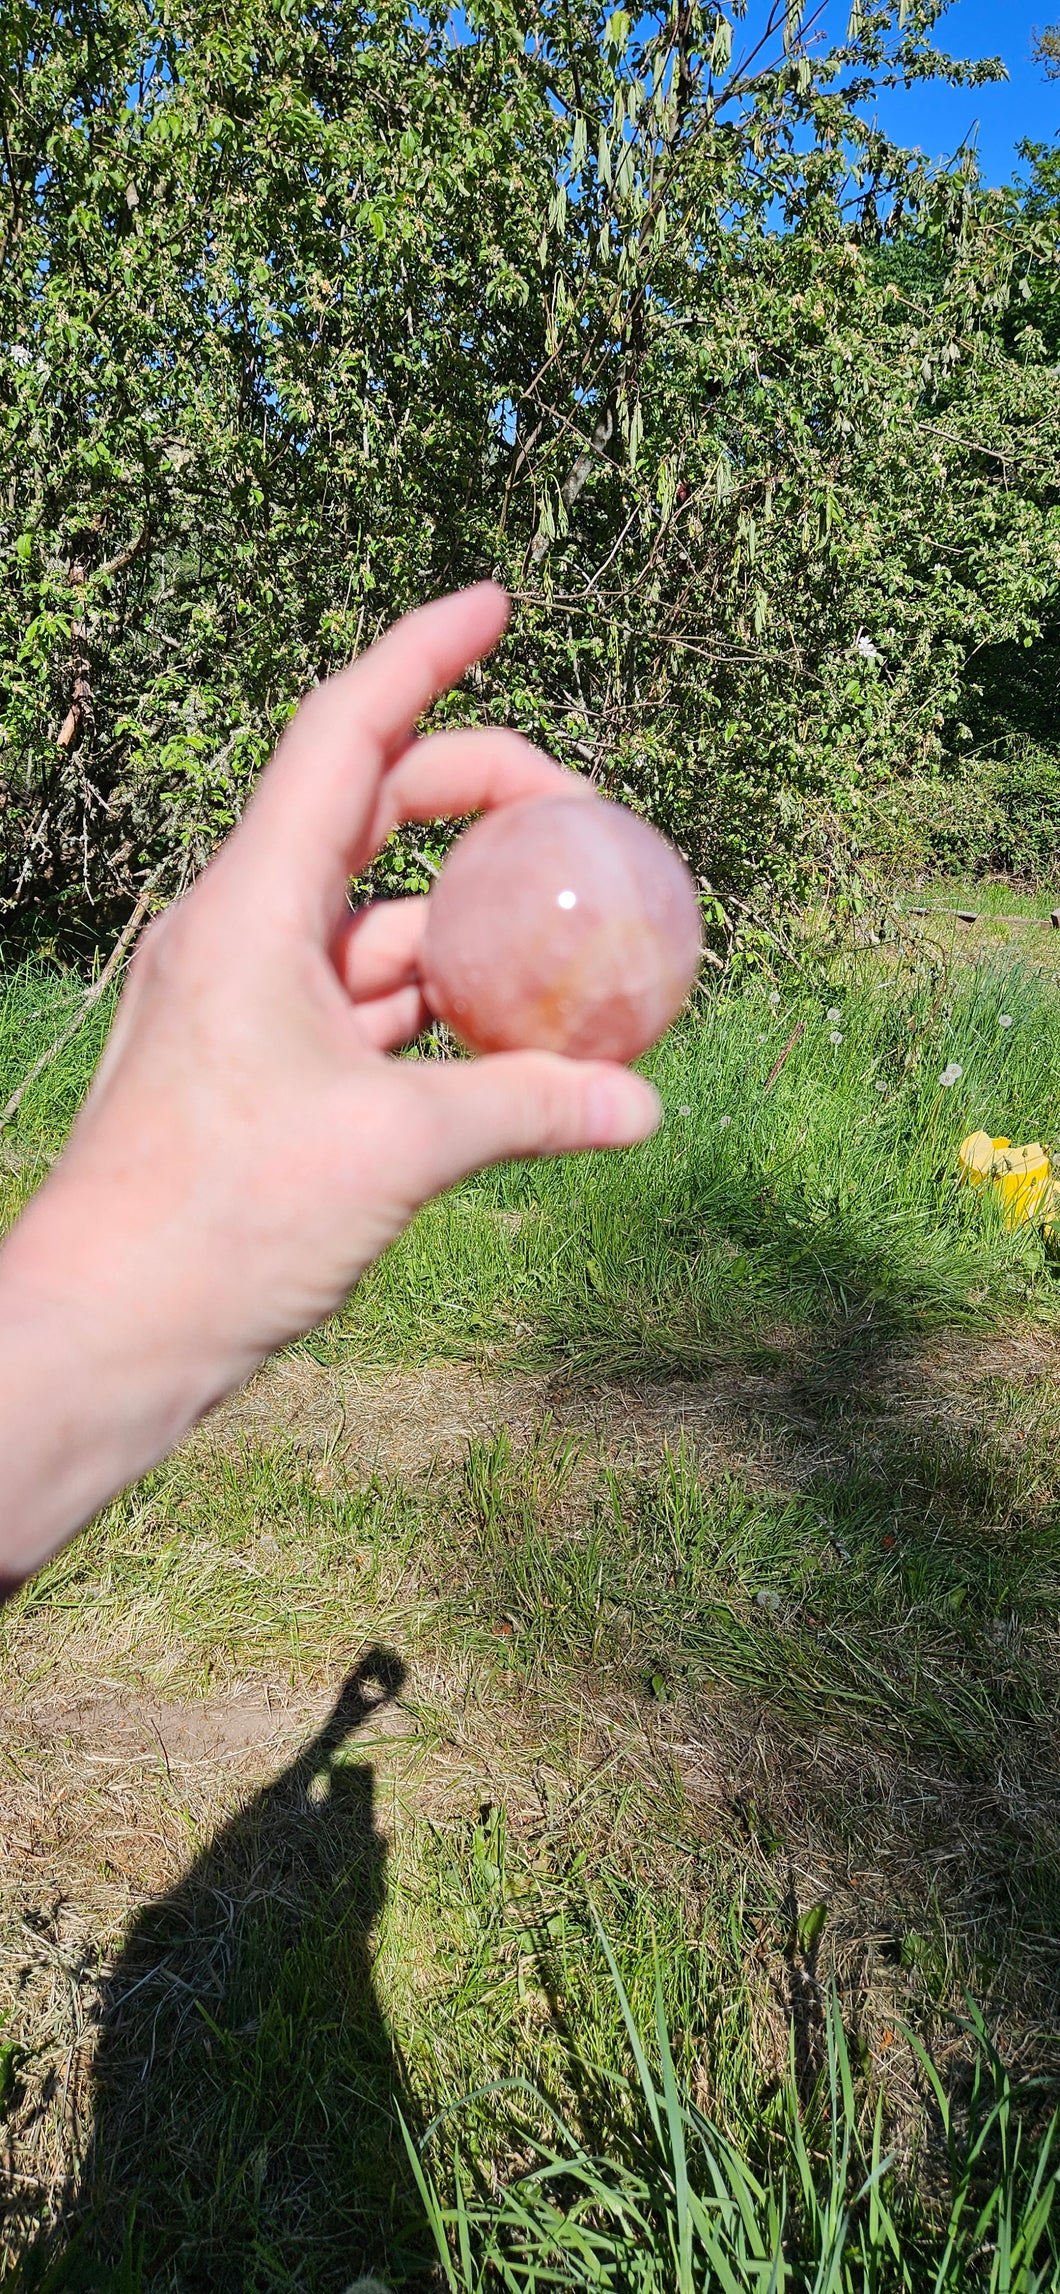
(711, 1781)
(885, 1708)
(833, 1195)
(36, 1004)
(987, 897)
(681, 2209)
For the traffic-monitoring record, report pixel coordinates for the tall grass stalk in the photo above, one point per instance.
(679, 2209)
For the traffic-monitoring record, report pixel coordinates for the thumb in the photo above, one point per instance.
(523, 1103)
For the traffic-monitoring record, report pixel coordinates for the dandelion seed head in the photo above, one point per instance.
(951, 1074)
(1004, 1019)
(836, 1036)
(684, 1111)
(724, 1122)
(834, 1015)
(774, 999)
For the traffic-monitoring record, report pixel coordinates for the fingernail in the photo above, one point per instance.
(623, 1109)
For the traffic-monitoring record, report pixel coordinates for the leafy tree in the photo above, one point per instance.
(1047, 50)
(309, 309)
(1013, 696)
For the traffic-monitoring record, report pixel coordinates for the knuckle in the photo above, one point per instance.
(549, 1109)
(161, 951)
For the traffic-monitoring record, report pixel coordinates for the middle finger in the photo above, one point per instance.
(471, 770)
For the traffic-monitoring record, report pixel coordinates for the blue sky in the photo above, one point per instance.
(939, 119)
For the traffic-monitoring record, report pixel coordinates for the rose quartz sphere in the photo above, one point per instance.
(561, 924)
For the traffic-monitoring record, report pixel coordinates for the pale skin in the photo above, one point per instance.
(249, 1144)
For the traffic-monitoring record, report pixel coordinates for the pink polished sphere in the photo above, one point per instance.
(561, 924)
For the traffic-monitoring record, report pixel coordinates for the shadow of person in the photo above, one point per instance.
(246, 2091)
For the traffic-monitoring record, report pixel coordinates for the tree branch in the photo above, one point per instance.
(124, 557)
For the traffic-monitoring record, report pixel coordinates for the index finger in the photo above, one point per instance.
(467, 769)
(309, 821)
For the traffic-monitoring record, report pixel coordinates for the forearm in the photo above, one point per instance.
(94, 1387)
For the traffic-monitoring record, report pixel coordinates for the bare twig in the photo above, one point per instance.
(79, 713)
(778, 1063)
(89, 999)
(981, 915)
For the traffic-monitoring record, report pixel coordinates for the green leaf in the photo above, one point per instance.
(811, 1927)
(12, 2058)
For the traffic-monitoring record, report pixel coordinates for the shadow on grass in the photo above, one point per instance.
(846, 1625)
(246, 2089)
(832, 1282)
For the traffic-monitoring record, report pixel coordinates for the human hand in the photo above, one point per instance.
(248, 1146)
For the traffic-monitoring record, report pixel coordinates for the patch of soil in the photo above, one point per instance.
(413, 1422)
(245, 1732)
(232, 1730)
(106, 1786)
(401, 1422)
